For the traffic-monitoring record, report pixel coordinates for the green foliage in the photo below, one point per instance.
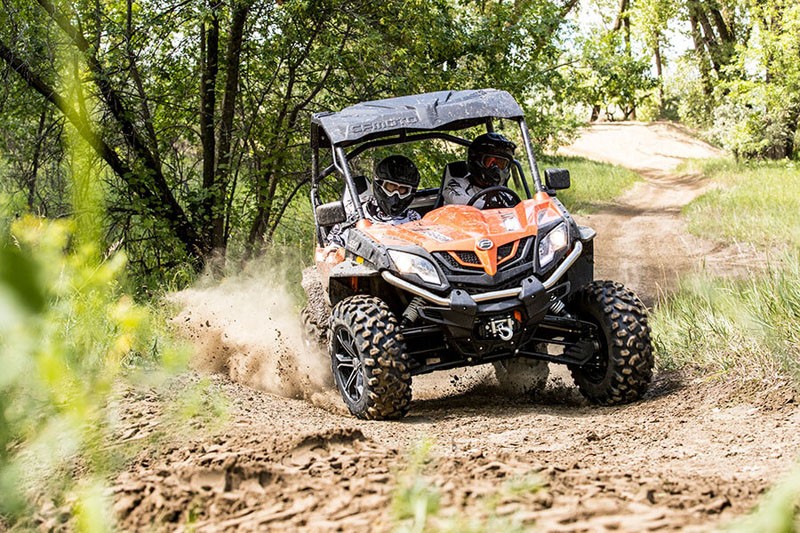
(685, 96)
(609, 77)
(757, 202)
(593, 183)
(68, 332)
(779, 510)
(295, 58)
(743, 84)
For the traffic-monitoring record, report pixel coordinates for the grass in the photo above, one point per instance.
(749, 328)
(742, 327)
(594, 184)
(755, 202)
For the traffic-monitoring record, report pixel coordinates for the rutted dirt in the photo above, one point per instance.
(691, 456)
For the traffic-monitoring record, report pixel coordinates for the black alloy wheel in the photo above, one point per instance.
(368, 358)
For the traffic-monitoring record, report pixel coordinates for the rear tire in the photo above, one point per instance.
(316, 314)
(622, 366)
(521, 376)
(368, 359)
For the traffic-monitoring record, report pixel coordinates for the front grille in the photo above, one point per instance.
(504, 250)
(447, 260)
(469, 263)
(469, 257)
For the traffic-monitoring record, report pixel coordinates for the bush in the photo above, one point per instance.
(749, 131)
(68, 332)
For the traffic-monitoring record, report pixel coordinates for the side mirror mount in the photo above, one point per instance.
(556, 179)
(331, 214)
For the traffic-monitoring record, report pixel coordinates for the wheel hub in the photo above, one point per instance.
(349, 368)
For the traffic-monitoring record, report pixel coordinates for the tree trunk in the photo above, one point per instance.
(659, 73)
(232, 62)
(209, 67)
(792, 124)
(37, 150)
(702, 58)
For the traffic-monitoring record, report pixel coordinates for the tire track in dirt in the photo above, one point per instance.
(689, 457)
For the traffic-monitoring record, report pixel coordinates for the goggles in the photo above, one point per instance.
(489, 161)
(402, 190)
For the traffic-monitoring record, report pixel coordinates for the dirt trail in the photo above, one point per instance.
(691, 456)
(642, 240)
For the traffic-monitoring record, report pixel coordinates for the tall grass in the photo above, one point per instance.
(748, 327)
(756, 202)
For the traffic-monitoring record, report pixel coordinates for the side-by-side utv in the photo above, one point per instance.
(510, 283)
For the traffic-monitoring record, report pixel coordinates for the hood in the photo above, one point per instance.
(454, 228)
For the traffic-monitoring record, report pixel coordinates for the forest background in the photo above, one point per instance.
(197, 113)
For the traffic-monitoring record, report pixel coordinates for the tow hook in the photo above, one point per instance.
(502, 328)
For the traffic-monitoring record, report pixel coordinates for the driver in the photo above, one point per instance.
(489, 160)
(396, 181)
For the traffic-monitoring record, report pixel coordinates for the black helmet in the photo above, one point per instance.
(396, 181)
(489, 159)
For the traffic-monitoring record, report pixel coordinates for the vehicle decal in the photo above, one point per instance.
(381, 125)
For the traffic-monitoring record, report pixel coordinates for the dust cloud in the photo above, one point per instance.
(248, 327)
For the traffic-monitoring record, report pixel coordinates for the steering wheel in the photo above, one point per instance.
(494, 197)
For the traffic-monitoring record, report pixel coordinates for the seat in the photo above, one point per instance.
(456, 169)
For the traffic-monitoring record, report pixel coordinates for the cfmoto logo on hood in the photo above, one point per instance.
(485, 244)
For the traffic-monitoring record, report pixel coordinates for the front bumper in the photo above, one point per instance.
(458, 296)
(462, 317)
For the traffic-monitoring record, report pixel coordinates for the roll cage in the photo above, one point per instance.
(408, 119)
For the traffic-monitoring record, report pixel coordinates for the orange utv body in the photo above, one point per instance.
(509, 282)
(457, 228)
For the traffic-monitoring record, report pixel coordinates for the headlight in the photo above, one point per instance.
(413, 264)
(554, 242)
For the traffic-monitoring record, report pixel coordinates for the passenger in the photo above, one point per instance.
(396, 181)
(489, 160)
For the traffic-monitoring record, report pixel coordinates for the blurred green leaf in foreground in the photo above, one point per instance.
(67, 332)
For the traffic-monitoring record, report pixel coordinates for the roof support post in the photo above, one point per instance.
(340, 161)
(526, 138)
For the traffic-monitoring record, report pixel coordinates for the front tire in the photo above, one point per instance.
(622, 366)
(369, 359)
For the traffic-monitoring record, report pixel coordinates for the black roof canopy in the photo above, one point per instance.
(441, 110)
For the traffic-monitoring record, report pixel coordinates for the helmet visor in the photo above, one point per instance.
(401, 190)
(489, 161)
